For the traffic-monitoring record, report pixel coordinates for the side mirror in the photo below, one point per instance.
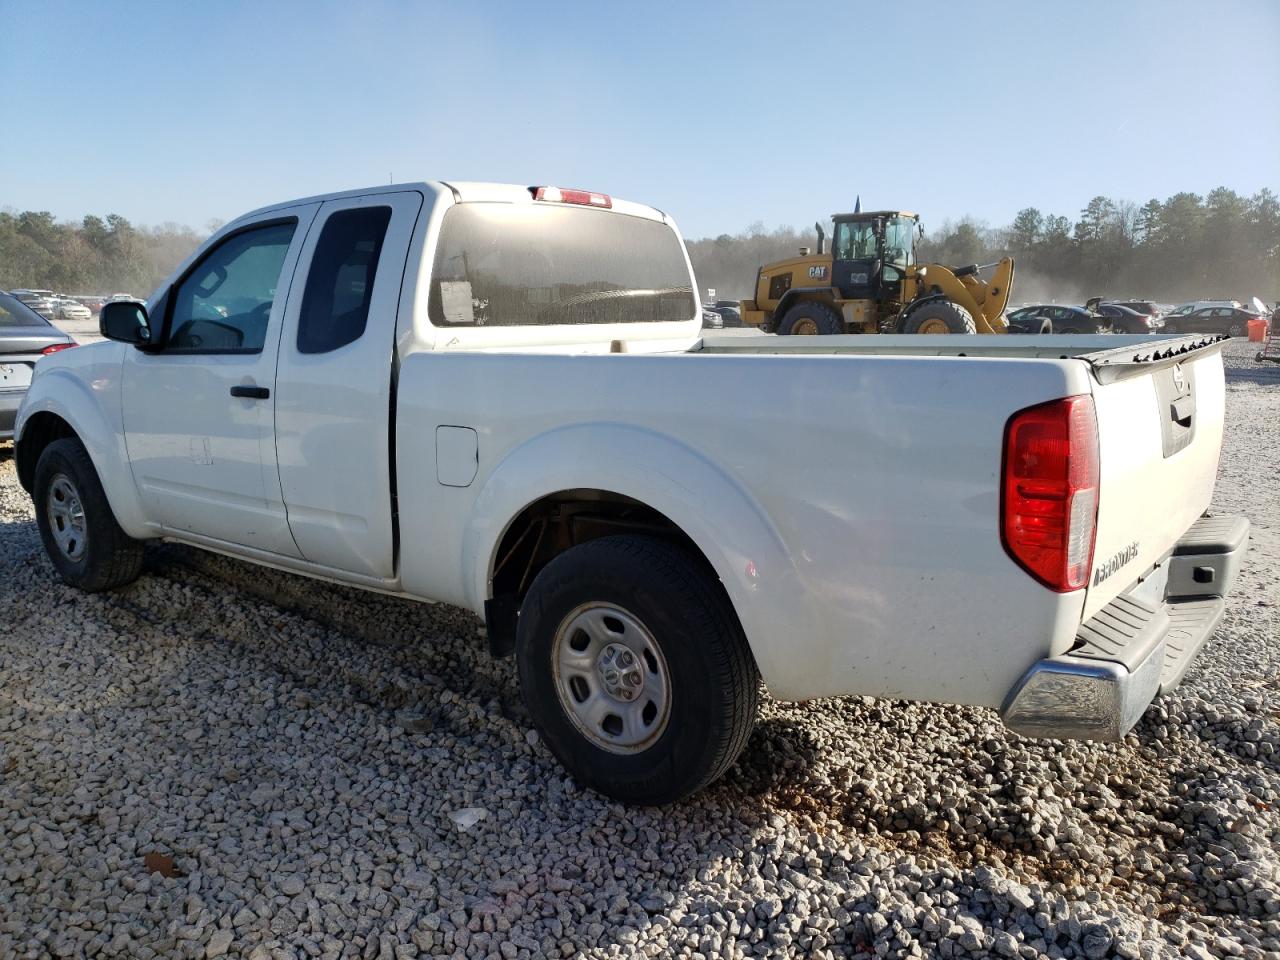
(126, 321)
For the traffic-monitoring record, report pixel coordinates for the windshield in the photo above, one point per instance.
(855, 241)
(505, 264)
(897, 241)
(860, 240)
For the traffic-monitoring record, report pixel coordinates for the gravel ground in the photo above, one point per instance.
(222, 760)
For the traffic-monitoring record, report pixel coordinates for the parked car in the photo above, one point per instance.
(711, 319)
(730, 310)
(69, 309)
(1146, 307)
(1127, 320)
(1184, 309)
(1233, 321)
(41, 301)
(92, 301)
(25, 337)
(1061, 319)
(651, 522)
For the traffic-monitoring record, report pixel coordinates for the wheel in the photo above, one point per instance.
(635, 669)
(1236, 329)
(938, 316)
(1070, 330)
(80, 533)
(810, 318)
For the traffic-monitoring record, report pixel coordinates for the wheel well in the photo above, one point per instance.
(553, 524)
(38, 432)
(796, 295)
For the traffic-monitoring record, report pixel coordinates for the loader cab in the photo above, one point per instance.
(871, 253)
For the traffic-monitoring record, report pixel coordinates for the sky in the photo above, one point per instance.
(721, 114)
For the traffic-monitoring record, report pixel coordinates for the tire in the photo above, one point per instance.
(698, 675)
(91, 553)
(1069, 330)
(812, 316)
(939, 312)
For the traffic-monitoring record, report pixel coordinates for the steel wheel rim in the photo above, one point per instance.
(805, 327)
(66, 517)
(611, 678)
(933, 326)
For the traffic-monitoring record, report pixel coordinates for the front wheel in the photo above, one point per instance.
(810, 318)
(79, 531)
(635, 669)
(938, 317)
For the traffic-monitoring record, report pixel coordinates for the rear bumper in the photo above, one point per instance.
(1137, 647)
(10, 401)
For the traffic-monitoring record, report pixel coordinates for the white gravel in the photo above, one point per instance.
(340, 774)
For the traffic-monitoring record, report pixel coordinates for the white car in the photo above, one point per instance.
(67, 309)
(500, 397)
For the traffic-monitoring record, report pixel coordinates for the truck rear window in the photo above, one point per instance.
(507, 264)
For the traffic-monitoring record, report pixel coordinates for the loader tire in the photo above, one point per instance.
(810, 318)
(939, 316)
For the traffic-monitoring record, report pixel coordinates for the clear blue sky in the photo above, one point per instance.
(721, 114)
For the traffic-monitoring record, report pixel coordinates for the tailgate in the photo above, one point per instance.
(1160, 413)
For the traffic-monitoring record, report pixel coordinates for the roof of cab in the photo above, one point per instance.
(464, 191)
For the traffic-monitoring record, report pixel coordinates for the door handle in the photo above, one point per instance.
(250, 393)
(1182, 410)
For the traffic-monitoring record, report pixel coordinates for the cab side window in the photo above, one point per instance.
(335, 306)
(223, 304)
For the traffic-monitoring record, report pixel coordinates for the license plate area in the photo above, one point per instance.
(15, 375)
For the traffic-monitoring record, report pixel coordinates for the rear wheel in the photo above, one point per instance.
(635, 669)
(809, 319)
(80, 533)
(1236, 329)
(937, 317)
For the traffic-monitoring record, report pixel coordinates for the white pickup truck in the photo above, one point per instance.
(499, 397)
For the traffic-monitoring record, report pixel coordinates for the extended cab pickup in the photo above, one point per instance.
(499, 397)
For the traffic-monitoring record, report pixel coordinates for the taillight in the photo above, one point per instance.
(55, 347)
(561, 195)
(1049, 503)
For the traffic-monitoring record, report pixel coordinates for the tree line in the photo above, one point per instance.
(98, 255)
(1220, 246)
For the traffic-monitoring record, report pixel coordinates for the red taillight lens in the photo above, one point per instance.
(561, 195)
(55, 347)
(1049, 506)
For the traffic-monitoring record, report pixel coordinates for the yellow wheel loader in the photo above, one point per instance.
(870, 283)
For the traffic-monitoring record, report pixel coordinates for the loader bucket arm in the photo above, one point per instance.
(985, 300)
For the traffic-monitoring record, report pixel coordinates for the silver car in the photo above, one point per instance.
(40, 301)
(25, 337)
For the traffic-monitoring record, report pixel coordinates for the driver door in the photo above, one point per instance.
(199, 413)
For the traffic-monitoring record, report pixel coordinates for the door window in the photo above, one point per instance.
(223, 304)
(335, 306)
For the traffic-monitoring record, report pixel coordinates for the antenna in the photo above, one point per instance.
(390, 179)
(857, 204)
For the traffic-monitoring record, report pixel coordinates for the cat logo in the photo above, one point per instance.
(1179, 378)
(817, 273)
